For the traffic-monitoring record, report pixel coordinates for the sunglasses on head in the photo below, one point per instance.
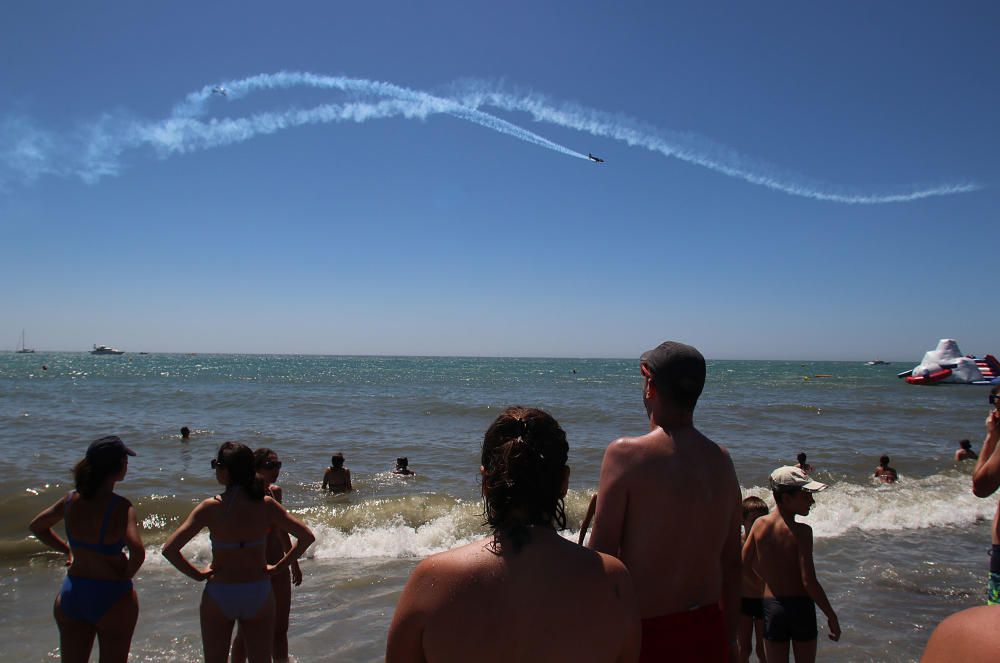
(271, 465)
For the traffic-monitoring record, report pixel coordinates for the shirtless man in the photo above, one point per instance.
(780, 551)
(802, 464)
(669, 506)
(985, 481)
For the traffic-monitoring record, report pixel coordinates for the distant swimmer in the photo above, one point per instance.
(337, 478)
(884, 473)
(185, 434)
(402, 467)
(802, 464)
(218, 89)
(595, 159)
(965, 452)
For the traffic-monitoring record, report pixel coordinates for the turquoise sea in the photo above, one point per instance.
(895, 559)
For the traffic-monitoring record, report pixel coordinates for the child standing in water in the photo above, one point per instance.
(752, 605)
(780, 551)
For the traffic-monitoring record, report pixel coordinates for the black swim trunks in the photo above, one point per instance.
(790, 618)
(752, 608)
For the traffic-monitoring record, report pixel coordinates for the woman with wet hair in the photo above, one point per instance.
(239, 577)
(525, 592)
(96, 599)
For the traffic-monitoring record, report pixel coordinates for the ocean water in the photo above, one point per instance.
(894, 560)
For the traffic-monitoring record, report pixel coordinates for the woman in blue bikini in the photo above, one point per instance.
(239, 577)
(96, 598)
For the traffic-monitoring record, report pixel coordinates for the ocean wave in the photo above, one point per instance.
(419, 525)
(939, 500)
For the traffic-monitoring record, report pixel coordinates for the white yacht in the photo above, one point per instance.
(106, 350)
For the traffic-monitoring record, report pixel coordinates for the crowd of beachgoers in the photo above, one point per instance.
(678, 566)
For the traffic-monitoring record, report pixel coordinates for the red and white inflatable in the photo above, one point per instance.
(948, 364)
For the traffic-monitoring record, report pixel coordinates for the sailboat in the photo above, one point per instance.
(24, 350)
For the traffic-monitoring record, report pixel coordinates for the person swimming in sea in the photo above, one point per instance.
(337, 478)
(402, 467)
(884, 473)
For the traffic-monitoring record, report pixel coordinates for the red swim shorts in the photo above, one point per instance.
(697, 635)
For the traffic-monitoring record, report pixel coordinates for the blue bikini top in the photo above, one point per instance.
(100, 547)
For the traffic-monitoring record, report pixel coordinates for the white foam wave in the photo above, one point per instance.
(943, 500)
(934, 501)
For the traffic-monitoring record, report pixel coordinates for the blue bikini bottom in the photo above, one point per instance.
(87, 599)
(239, 600)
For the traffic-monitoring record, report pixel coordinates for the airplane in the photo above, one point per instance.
(594, 159)
(218, 89)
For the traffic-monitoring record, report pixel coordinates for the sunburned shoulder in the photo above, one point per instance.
(453, 565)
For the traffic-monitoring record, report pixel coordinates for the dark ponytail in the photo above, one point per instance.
(238, 460)
(524, 462)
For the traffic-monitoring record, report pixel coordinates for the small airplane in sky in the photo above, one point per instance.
(594, 159)
(218, 89)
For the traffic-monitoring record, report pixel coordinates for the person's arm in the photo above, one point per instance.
(349, 487)
(42, 524)
(136, 551)
(585, 525)
(732, 564)
(986, 478)
(624, 592)
(286, 522)
(748, 554)
(286, 541)
(405, 643)
(194, 523)
(326, 478)
(612, 502)
(804, 539)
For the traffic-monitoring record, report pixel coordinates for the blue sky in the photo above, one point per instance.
(436, 235)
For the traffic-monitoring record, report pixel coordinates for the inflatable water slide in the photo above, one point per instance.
(947, 364)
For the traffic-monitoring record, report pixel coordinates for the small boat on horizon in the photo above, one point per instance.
(877, 362)
(106, 350)
(24, 350)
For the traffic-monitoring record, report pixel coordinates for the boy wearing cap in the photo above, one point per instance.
(668, 506)
(780, 551)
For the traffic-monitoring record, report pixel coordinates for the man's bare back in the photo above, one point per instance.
(471, 605)
(669, 508)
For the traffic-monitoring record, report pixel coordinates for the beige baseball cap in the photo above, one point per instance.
(792, 478)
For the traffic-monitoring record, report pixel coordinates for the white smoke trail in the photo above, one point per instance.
(692, 149)
(424, 104)
(97, 151)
